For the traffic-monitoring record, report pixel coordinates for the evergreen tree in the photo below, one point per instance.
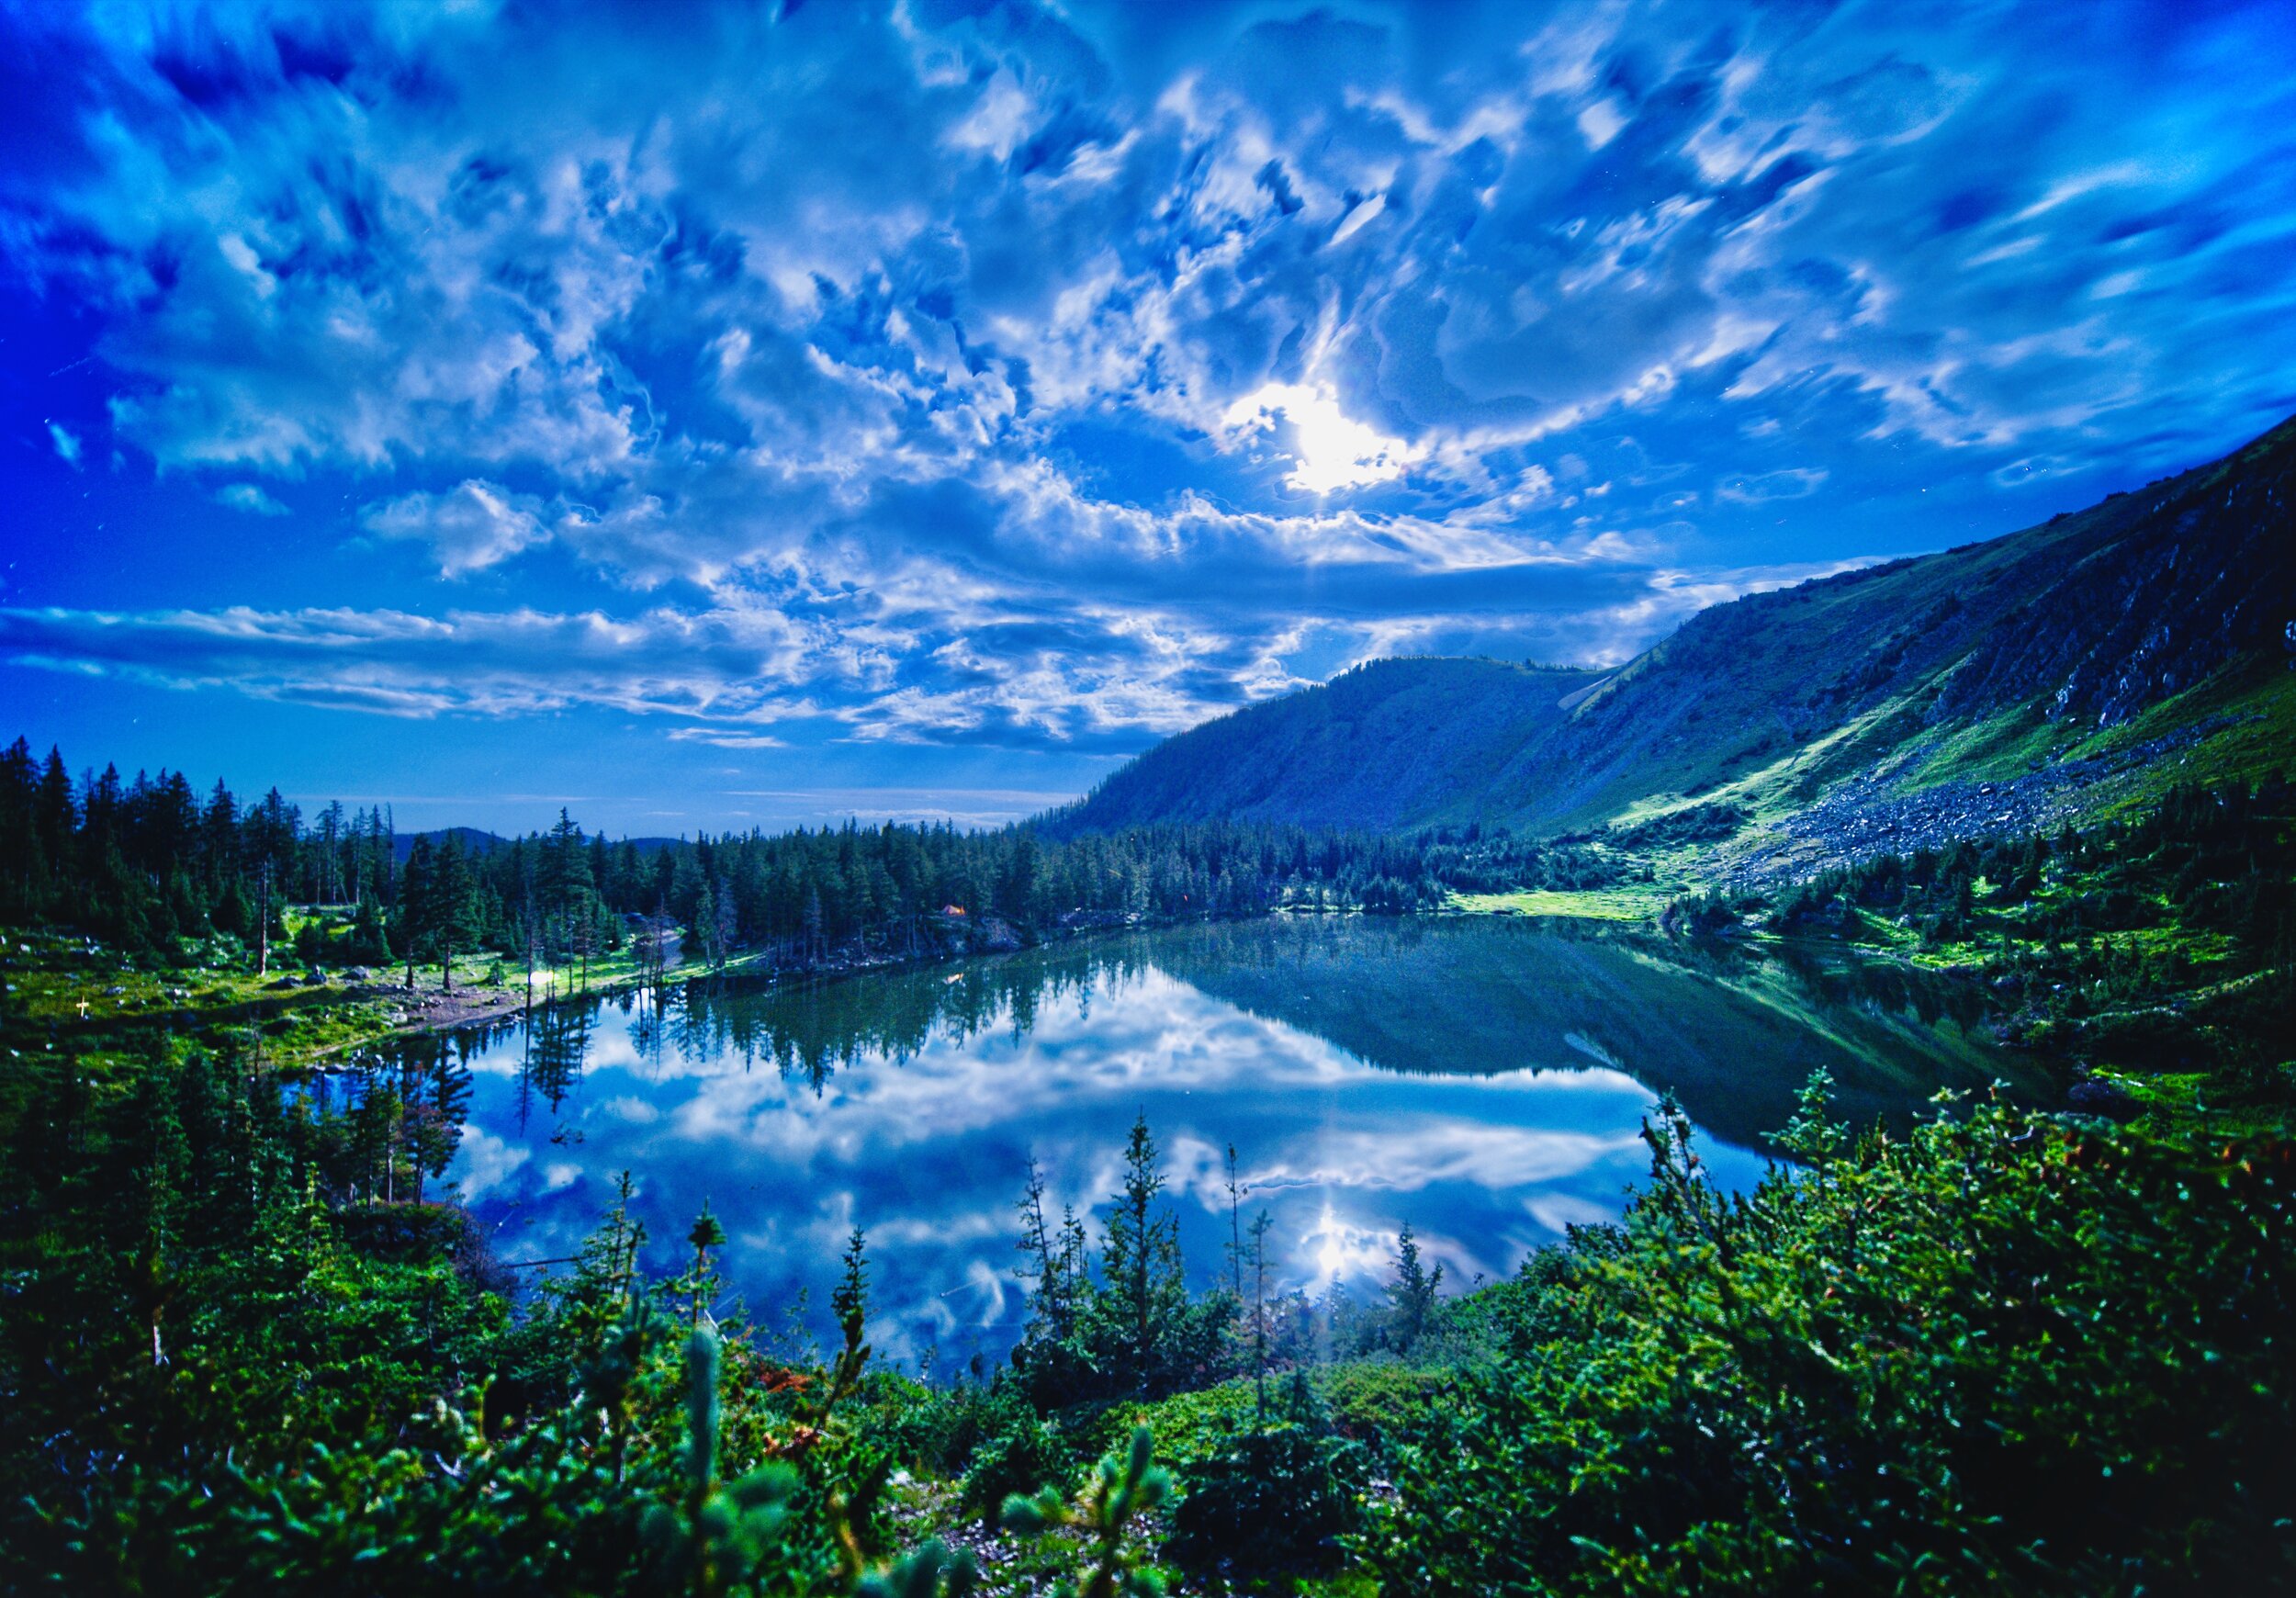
(1145, 1292)
(1412, 1295)
(416, 904)
(450, 907)
(705, 1235)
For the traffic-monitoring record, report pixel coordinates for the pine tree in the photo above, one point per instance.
(416, 901)
(1144, 1290)
(1413, 1292)
(707, 1235)
(450, 911)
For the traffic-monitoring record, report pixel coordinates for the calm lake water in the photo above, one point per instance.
(1482, 1079)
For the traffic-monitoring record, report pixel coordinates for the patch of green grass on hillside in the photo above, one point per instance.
(2009, 744)
(1652, 808)
(1634, 902)
(1764, 792)
(2020, 740)
(2260, 746)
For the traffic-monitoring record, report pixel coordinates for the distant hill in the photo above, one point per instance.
(2168, 612)
(473, 840)
(476, 840)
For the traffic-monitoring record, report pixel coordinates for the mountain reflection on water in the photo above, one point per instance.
(1484, 1080)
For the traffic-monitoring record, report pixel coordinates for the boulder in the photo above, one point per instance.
(2099, 1095)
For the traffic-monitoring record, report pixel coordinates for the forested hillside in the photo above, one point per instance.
(2164, 612)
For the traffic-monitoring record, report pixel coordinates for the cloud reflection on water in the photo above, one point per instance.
(893, 1103)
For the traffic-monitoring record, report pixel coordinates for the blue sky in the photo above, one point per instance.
(702, 416)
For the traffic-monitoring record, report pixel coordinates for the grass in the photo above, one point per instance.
(1634, 902)
(2020, 740)
(2259, 745)
(1998, 749)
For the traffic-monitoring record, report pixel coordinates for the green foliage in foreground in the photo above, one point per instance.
(1119, 1491)
(2008, 1353)
(1271, 1503)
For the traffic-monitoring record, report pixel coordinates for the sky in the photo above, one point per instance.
(742, 414)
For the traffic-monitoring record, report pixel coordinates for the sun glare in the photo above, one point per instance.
(1340, 1250)
(1329, 450)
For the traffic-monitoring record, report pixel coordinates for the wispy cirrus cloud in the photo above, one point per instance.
(482, 663)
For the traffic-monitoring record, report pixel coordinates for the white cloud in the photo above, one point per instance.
(1762, 487)
(249, 497)
(997, 372)
(486, 1160)
(722, 739)
(472, 526)
(727, 662)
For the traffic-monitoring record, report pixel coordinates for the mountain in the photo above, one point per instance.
(2036, 668)
(474, 840)
(1356, 752)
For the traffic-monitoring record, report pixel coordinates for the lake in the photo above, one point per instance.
(1483, 1079)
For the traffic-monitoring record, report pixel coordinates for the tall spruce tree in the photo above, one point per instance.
(1412, 1295)
(1145, 1292)
(450, 916)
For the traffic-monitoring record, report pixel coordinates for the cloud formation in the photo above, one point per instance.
(247, 497)
(472, 526)
(1055, 376)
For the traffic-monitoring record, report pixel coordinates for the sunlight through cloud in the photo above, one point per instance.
(1331, 450)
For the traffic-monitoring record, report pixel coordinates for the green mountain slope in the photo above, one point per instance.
(2168, 612)
(1356, 752)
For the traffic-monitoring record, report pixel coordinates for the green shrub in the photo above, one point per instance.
(1270, 1501)
(1189, 1426)
(1022, 1459)
(2005, 1353)
(1378, 1402)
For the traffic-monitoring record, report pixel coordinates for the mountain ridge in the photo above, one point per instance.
(1998, 656)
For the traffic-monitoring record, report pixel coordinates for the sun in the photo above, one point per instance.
(1330, 450)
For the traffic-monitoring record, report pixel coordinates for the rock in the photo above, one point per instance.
(2099, 1095)
(114, 991)
(357, 974)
